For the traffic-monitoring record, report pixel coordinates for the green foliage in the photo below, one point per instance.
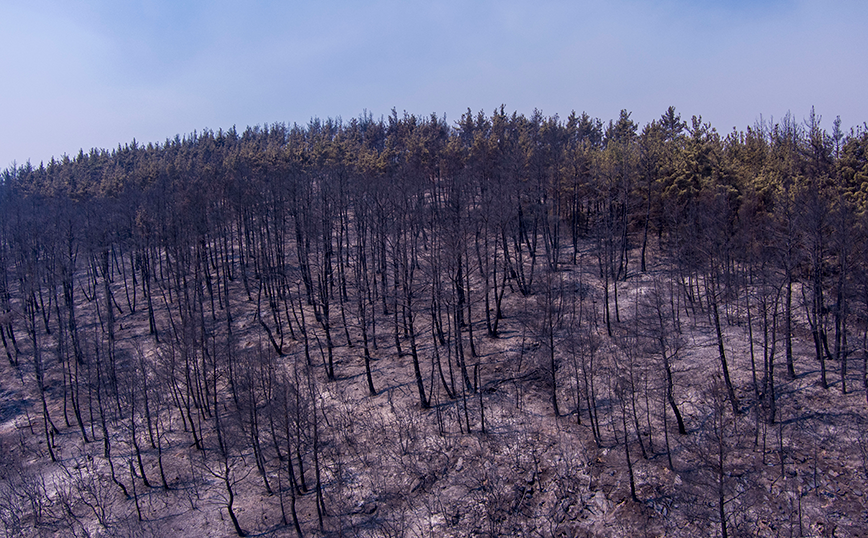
(853, 169)
(660, 176)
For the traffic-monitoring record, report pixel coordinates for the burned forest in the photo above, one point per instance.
(506, 325)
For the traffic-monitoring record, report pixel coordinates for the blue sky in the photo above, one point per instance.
(99, 73)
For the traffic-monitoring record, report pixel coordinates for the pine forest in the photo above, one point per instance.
(504, 325)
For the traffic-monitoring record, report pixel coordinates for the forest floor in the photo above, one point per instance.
(392, 468)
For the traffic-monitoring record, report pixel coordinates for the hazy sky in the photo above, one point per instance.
(99, 73)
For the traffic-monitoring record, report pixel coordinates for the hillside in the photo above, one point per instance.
(516, 327)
